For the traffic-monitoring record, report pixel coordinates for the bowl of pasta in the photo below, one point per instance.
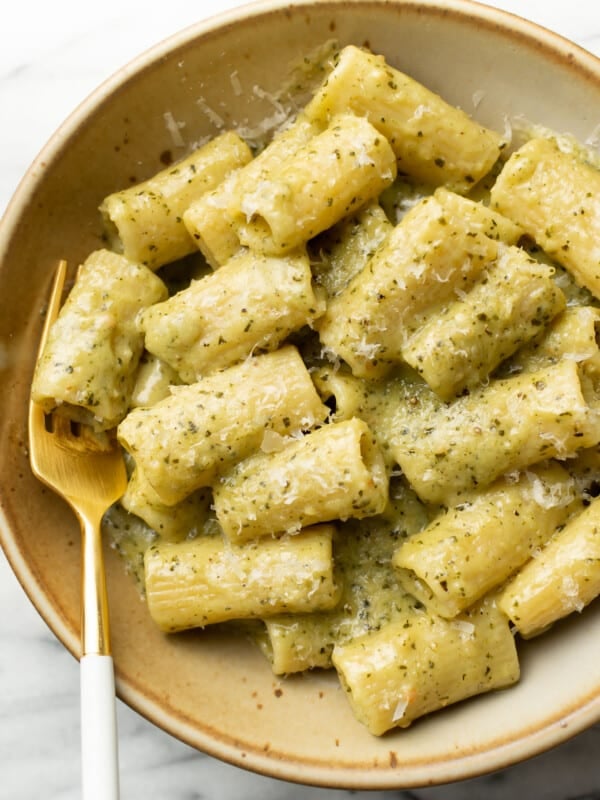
(337, 300)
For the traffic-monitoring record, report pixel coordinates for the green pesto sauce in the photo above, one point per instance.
(130, 537)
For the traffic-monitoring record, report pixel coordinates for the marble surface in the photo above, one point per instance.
(51, 56)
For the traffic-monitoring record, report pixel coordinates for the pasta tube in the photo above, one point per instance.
(573, 335)
(480, 217)
(87, 370)
(344, 249)
(171, 523)
(509, 424)
(433, 141)
(204, 581)
(297, 642)
(183, 442)
(414, 666)
(475, 546)
(342, 390)
(147, 218)
(250, 304)
(553, 195)
(334, 472)
(563, 578)
(511, 302)
(331, 176)
(210, 225)
(213, 219)
(427, 258)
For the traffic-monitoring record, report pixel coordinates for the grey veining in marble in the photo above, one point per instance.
(51, 56)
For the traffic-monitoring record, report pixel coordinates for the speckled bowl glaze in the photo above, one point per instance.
(217, 693)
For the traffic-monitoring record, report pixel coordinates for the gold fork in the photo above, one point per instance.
(90, 476)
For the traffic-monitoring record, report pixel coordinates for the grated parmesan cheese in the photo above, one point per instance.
(236, 83)
(478, 97)
(400, 709)
(273, 442)
(216, 119)
(174, 129)
(465, 628)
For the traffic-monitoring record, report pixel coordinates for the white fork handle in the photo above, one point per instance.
(99, 756)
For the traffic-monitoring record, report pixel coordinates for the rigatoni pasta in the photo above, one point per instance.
(508, 424)
(169, 522)
(335, 173)
(146, 220)
(333, 472)
(214, 218)
(424, 663)
(474, 546)
(206, 580)
(361, 415)
(480, 217)
(249, 305)
(345, 248)
(554, 195)
(425, 260)
(510, 302)
(564, 577)
(88, 368)
(572, 336)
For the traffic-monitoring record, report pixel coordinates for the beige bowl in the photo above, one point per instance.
(219, 694)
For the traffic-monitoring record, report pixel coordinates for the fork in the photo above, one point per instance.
(90, 475)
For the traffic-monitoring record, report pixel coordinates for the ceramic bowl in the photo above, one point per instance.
(218, 694)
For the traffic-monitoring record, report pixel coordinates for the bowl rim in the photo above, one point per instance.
(451, 769)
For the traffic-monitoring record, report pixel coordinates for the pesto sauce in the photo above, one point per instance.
(130, 537)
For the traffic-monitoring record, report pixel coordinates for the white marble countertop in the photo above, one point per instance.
(52, 55)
